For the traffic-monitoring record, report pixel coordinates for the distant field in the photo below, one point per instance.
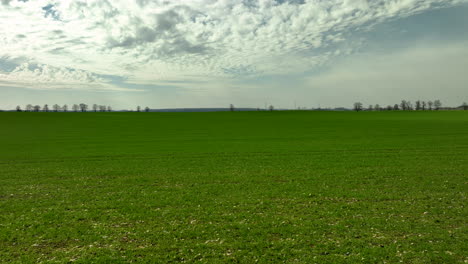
(234, 187)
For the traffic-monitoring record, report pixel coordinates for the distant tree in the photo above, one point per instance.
(56, 107)
(271, 108)
(45, 108)
(37, 108)
(147, 109)
(465, 106)
(370, 108)
(18, 109)
(430, 104)
(109, 109)
(418, 105)
(95, 107)
(410, 105)
(423, 105)
(83, 107)
(437, 104)
(389, 108)
(396, 107)
(403, 105)
(231, 107)
(377, 107)
(406, 105)
(65, 108)
(75, 108)
(29, 107)
(357, 106)
(138, 109)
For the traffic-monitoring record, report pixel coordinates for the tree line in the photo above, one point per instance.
(357, 106)
(64, 108)
(405, 106)
(74, 108)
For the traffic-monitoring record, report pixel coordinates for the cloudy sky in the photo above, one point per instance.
(211, 53)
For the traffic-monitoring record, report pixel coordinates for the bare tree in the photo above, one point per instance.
(465, 106)
(357, 106)
(423, 105)
(370, 108)
(75, 107)
(138, 109)
(418, 105)
(406, 105)
(403, 105)
(102, 108)
(65, 108)
(18, 109)
(109, 109)
(83, 107)
(377, 107)
(437, 104)
(29, 107)
(56, 107)
(430, 104)
(271, 108)
(37, 108)
(231, 107)
(389, 108)
(410, 105)
(45, 108)
(396, 107)
(147, 109)
(95, 107)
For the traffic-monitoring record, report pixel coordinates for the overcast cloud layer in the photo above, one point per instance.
(203, 53)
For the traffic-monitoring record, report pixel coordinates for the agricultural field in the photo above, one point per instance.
(234, 187)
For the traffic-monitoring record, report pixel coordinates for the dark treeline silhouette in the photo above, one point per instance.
(57, 108)
(405, 105)
(232, 108)
(146, 109)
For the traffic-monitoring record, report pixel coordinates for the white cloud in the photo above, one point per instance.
(46, 77)
(156, 40)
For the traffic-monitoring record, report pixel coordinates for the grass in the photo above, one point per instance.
(242, 187)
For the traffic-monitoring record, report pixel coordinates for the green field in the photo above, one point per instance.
(234, 187)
